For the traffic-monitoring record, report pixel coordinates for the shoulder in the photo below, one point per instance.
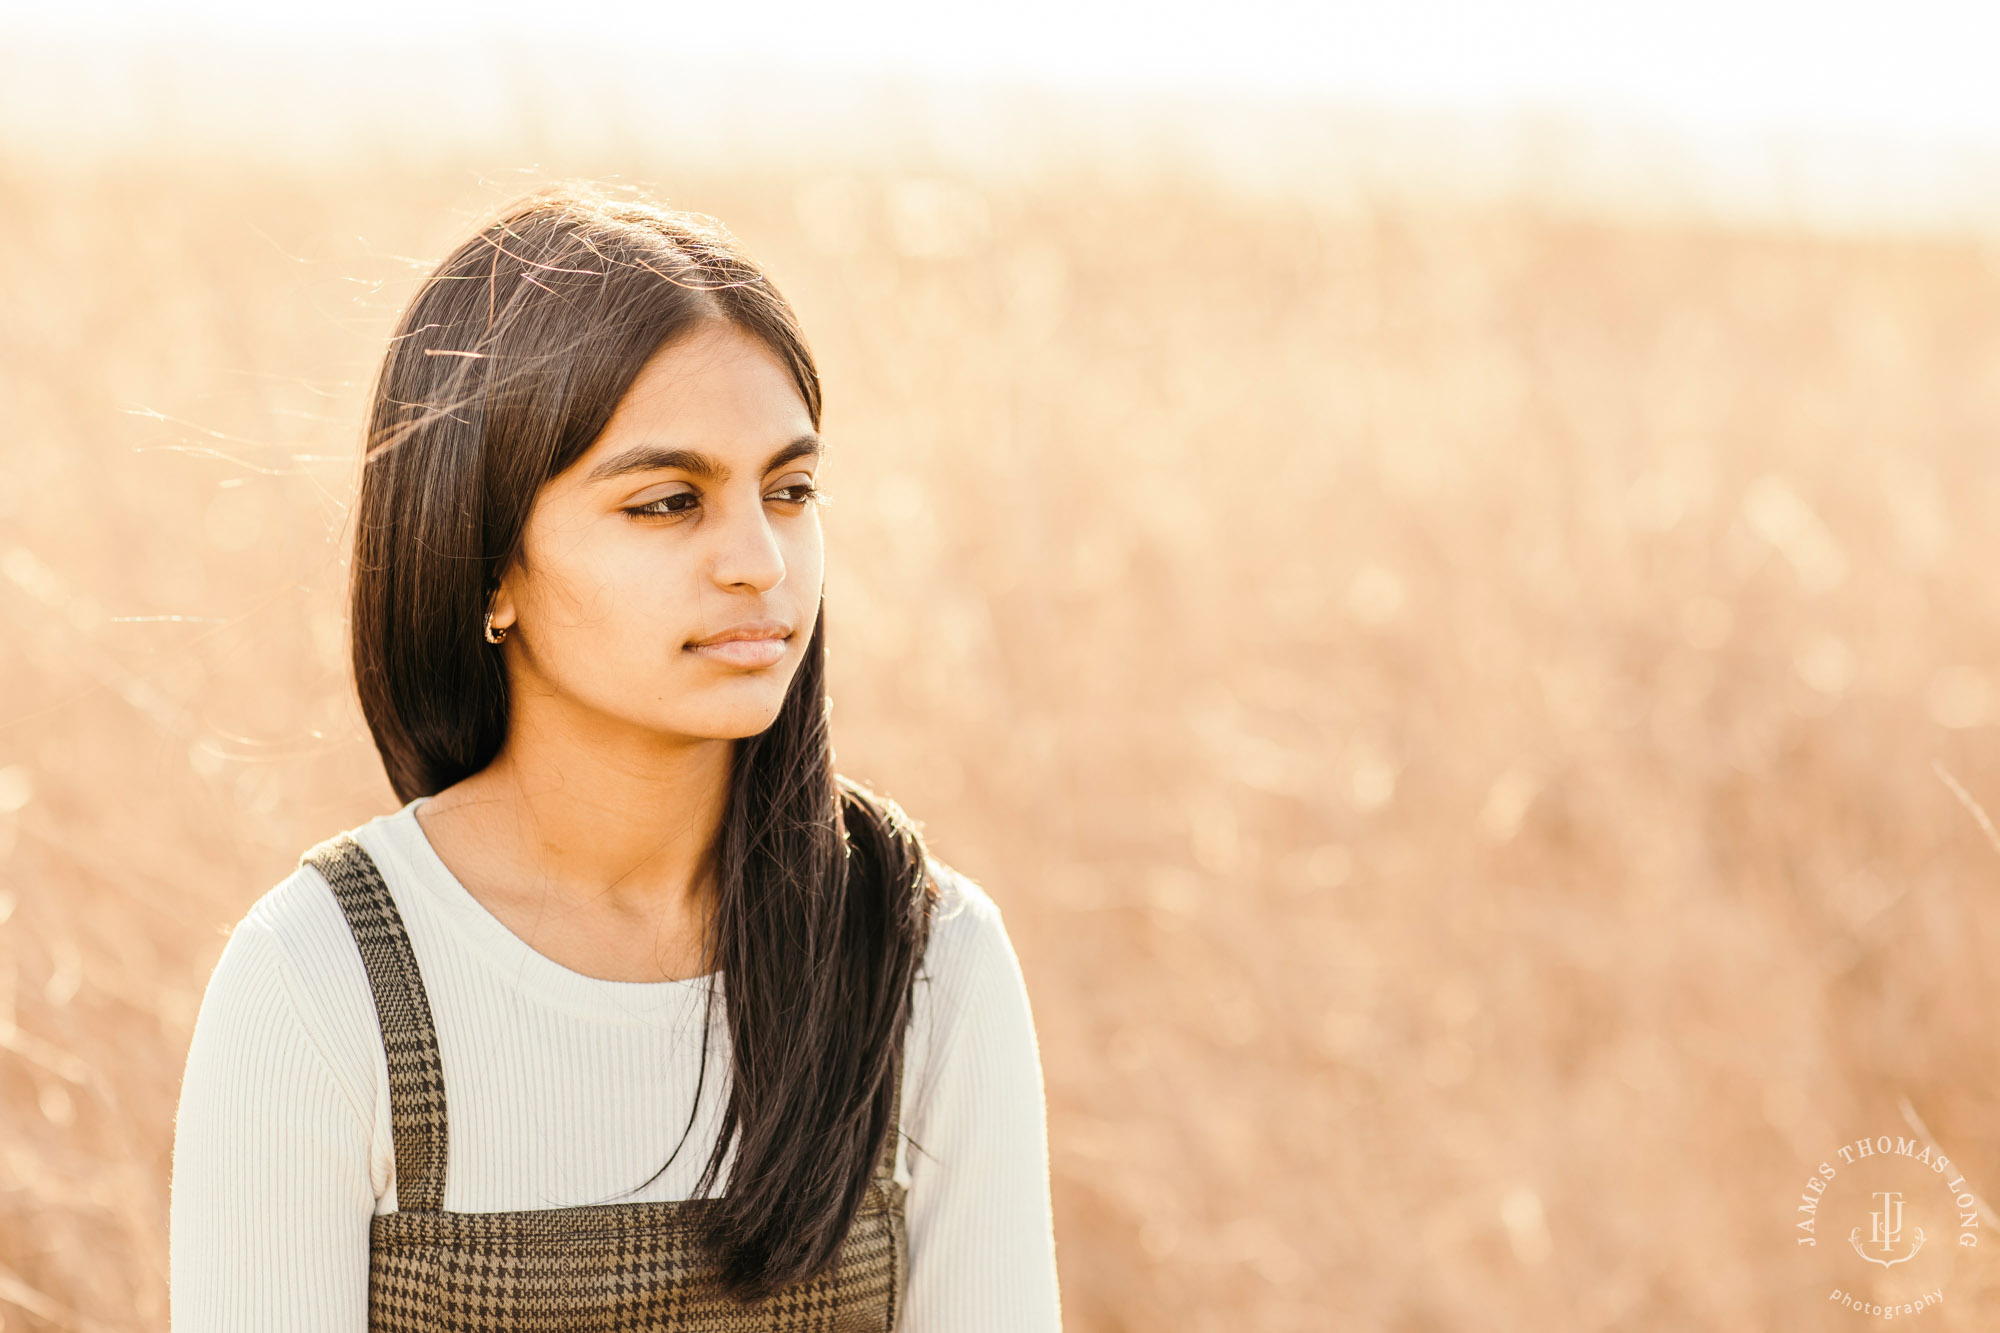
(300, 913)
(309, 932)
(292, 961)
(960, 895)
(970, 971)
(968, 932)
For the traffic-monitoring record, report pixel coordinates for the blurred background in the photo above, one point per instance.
(1437, 560)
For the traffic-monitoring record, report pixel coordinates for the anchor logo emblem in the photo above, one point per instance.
(1886, 1232)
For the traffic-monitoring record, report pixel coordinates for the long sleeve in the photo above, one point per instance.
(982, 1239)
(271, 1198)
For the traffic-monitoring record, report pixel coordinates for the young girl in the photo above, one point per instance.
(635, 1015)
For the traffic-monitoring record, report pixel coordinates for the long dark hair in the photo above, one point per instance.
(504, 367)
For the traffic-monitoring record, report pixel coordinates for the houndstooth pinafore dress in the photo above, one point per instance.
(586, 1269)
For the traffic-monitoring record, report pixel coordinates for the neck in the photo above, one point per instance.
(606, 819)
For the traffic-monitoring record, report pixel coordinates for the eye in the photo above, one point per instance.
(800, 493)
(664, 506)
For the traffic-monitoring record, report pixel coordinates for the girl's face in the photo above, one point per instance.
(670, 577)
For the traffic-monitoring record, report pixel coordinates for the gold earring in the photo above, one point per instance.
(491, 637)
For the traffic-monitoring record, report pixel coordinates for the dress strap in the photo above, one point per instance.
(416, 1074)
(885, 1167)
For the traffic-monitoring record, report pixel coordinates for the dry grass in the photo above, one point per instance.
(1447, 699)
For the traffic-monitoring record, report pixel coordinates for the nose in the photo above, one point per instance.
(747, 554)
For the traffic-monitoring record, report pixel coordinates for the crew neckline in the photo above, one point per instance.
(655, 1002)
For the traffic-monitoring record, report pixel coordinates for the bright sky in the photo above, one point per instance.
(1915, 67)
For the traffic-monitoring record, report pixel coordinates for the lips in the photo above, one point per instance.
(749, 629)
(750, 646)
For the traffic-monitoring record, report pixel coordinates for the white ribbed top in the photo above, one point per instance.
(562, 1089)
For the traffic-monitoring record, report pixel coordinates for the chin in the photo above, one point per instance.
(736, 721)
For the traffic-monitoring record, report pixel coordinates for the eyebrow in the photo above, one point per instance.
(655, 457)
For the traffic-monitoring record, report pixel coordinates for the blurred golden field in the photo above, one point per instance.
(1454, 699)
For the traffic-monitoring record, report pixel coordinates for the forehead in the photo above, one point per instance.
(719, 389)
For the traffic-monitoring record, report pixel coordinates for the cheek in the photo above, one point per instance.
(590, 588)
(601, 594)
(805, 556)
(645, 591)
